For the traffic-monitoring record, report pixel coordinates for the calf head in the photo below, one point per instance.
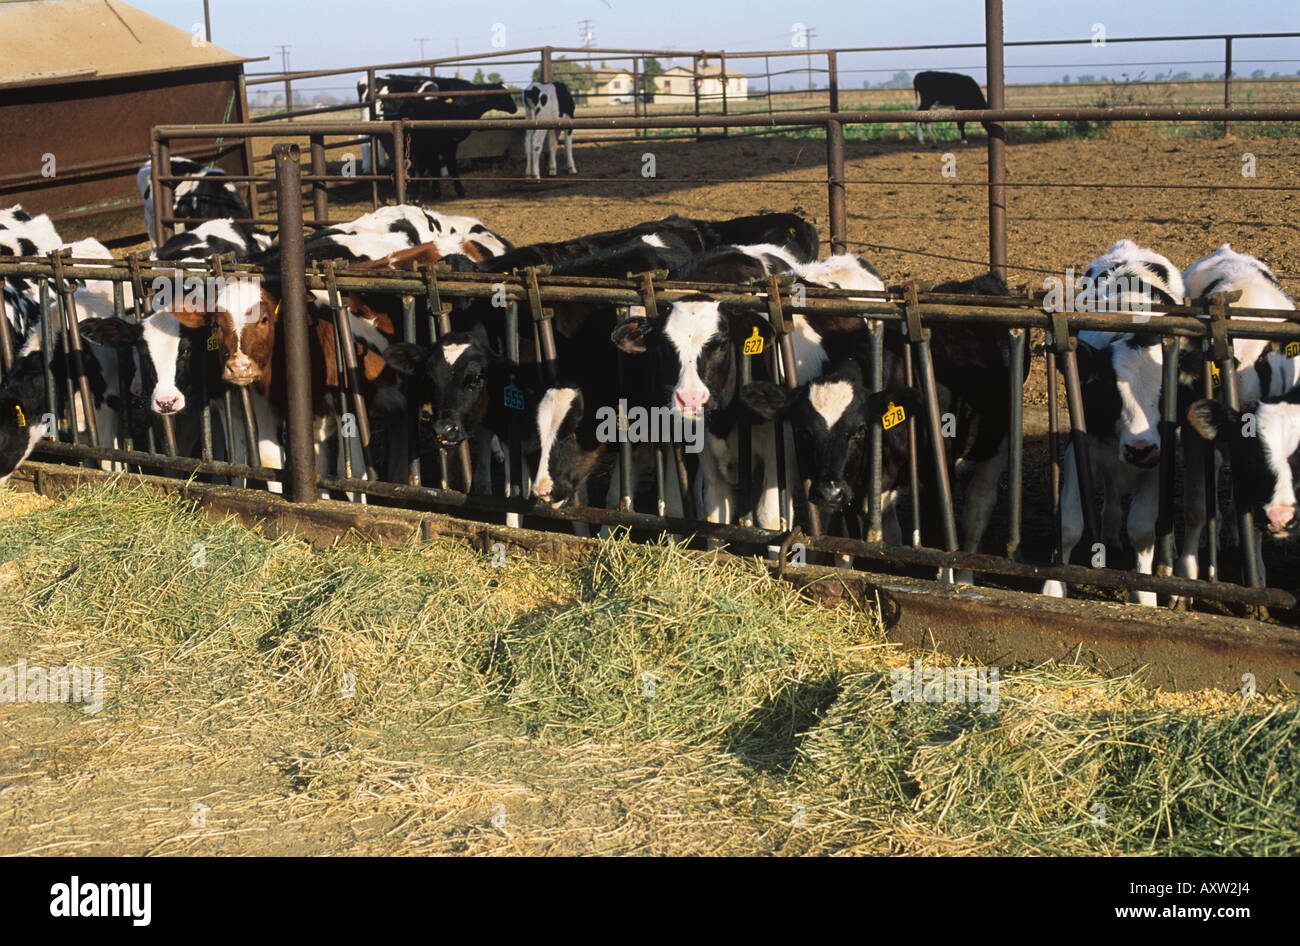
(696, 349)
(1122, 384)
(243, 316)
(830, 416)
(1259, 453)
(24, 408)
(459, 374)
(571, 452)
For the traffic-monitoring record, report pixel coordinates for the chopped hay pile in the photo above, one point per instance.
(265, 697)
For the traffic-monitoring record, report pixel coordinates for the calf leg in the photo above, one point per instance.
(1142, 530)
(550, 149)
(568, 151)
(981, 497)
(1071, 520)
(961, 130)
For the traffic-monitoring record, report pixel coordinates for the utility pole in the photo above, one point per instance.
(459, 74)
(585, 37)
(207, 22)
(288, 84)
(422, 40)
(808, 35)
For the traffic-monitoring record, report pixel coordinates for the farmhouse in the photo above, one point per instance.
(612, 86)
(679, 81)
(87, 79)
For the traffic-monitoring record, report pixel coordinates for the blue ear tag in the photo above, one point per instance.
(514, 396)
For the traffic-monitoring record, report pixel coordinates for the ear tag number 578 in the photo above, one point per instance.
(893, 416)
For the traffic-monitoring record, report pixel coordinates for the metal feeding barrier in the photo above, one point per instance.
(1203, 326)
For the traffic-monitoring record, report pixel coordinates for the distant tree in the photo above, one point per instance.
(1182, 76)
(1276, 75)
(901, 80)
(1066, 78)
(650, 69)
(1086, 78)
(1258, 74)
(478, 77)
(1209, 75)
(576, 75)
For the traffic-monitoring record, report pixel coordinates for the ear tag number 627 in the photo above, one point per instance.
(754, 344)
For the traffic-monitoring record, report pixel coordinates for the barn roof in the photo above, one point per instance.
(43, 42)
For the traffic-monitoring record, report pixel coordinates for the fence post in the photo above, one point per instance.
(399, 160)
(636, 94)
(375, 152)
(249, 163)
(695, 78)
(767, 73)
(722, 77)
(835, 185)
(997, 139)
(1227, 78)
(293, 295)
(833, 78)
(546, 64)
(320, 201)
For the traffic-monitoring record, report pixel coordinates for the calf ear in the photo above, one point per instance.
(406, 358)
(631, 334)
(189, 316)
(909, 399)
(110, 332)
(1085, 355)
(767, 399)
(1211, 419)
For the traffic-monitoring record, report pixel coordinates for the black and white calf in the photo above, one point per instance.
(1226, 270)
(208, 197)
(215, 238)
(947, 88)
(697, 349)
(832, 413)
(543, 101)
(1121, 377)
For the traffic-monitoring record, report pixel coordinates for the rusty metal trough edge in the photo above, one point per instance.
(1186, 651)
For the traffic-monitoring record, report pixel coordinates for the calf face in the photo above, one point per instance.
(1121, 385)
(181, 359)
(1260, 455)
(571, 452)
(830, 416)
(695, 350)
(460, 374)
(244, 316)
(23, 412)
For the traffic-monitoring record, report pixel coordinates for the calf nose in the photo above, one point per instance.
(1142, 453)
(1280, 517)
(690, 402)
(166, 405)
(828, 494)
(448, 432)
(542, 488)
(240, 370)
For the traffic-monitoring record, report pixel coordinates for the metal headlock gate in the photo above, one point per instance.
(1209, 325)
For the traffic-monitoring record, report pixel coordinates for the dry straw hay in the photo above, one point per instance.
(285, 700)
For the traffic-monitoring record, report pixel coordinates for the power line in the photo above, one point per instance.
(284, 57)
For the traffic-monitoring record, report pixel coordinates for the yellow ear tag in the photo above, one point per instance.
(22, 421)
(754, 344)
(893, 416)
(1292, 350)
(212, 340)
(1214, 375)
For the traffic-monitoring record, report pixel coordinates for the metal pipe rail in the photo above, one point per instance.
(1207, 320)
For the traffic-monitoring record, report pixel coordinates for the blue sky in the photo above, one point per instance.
(338, 33)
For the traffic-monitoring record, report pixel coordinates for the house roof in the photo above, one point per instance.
(48, 41)
(706, 71)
